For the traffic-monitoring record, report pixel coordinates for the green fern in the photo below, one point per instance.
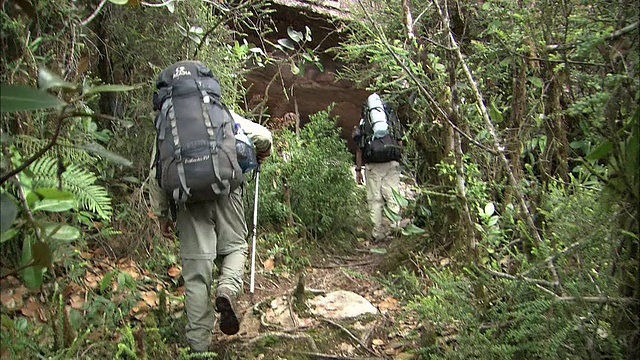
(78, 181)
(63, 149)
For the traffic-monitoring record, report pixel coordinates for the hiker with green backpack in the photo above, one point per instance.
(379, 139)
(198, 165)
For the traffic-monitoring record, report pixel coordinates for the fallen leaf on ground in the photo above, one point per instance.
(269, 264)
(174, 271)
(377, 342)
(76, 301)
(150, 298)
(388, 304)
(347, 348)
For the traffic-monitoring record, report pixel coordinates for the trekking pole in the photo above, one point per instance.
(255, 230)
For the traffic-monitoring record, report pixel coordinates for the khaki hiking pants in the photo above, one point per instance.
(208, 232)
(382, 178)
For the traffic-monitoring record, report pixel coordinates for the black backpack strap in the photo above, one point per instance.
(219, 186)
(183, 192)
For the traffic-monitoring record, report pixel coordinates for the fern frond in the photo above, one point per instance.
(65, 149)
(78, 181)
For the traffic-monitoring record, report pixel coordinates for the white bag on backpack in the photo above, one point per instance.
(377, 116)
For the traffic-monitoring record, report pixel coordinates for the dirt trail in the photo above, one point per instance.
(276, 326)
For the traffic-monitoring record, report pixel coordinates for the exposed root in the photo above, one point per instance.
(351, 335)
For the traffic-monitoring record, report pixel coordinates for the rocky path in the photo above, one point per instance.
(343, 313)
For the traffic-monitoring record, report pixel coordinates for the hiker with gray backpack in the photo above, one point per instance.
(198, 165)
(379, 139)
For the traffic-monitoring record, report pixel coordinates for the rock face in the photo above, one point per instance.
(316, 90)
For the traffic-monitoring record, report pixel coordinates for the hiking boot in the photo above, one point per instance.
(226, 306)
(378, 237)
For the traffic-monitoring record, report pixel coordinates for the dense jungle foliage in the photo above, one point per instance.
(522, 149)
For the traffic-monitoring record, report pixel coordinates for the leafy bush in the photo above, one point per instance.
(479, 318)
(310, 182)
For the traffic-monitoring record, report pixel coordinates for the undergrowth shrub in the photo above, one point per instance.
(471, 317)
(470, 314)
(308, 183)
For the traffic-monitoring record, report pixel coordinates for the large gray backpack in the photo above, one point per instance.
(196, 148)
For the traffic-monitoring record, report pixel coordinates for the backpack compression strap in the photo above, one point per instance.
(219, 186)
(179, 194)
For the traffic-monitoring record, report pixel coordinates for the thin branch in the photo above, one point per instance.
(554, 256)
(217, 24)
(164, 3)
(614, 35)
(597, 299)
(498, 274)
(346, 331)
(94, 14)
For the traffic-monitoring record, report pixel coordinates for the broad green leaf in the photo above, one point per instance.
(287, 44)
(32, 275)
(109, 88)
(110, 156)
(257, 50)
(536, 81)
(131, 179)
(55, 194)
(320, 66)
(62, 232)
(48, 80)
(399, 199)
(24, 98)
(8, 235)
(106, 280)
(489, 209)
(378, 251)
(601, 151)
(578, 144)
(54, 205)
(391, 215)
(412, 229)
(119, 2)
(496, 115)
(8, 212)
(294, 34)
(295, 70)
(171, 6)
(307, 33)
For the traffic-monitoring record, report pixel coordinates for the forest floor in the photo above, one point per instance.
(276, 326)
(279, 321)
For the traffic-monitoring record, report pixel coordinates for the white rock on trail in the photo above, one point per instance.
(341, 305)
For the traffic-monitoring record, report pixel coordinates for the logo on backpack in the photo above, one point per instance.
(180, 71)
(196, 157)
(380, 129)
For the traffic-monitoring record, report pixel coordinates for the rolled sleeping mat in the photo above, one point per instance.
(377, 116)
